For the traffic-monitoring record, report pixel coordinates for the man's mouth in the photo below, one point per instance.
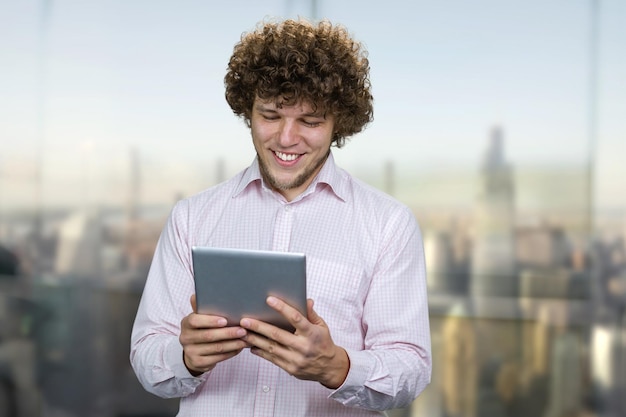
(287, 157)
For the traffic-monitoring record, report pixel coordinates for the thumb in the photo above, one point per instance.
(312, 314)
(192, 300)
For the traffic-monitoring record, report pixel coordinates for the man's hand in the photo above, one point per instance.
(309, 353)
(206, 340)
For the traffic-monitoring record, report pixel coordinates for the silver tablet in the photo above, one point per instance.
(234, 283)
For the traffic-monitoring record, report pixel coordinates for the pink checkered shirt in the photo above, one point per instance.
(365, 272)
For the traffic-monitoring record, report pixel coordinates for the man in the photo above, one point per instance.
(364, 345)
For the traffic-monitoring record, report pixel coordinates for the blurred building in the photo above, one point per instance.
(514, 308)
(493, 257)
(459, 381)
(608, 333)
(19, 392)
(65, 338)
(542, 246)
(447, 263)
(79, 246)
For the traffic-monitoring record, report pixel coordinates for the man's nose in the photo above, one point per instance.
(289, 133)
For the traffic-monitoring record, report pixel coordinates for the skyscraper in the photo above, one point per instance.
(493, 258)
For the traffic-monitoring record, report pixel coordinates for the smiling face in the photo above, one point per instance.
(292, 143)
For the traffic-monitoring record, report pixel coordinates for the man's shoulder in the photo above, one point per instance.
(221, 192)
(378, 212)
(363, 192)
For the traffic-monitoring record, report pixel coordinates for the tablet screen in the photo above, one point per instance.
(235, 283)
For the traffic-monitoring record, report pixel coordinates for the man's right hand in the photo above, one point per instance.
(207, 341)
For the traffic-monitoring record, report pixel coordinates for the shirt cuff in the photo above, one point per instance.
(174, 357)
(348, 392)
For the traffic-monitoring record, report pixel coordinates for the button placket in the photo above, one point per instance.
(282, 228)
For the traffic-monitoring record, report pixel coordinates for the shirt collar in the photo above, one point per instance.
(330, 174)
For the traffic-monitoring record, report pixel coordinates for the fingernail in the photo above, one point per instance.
(221, 322)
(271, 301)
(241, 332)
(245, 323)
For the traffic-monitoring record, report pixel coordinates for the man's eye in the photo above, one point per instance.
(311, 124)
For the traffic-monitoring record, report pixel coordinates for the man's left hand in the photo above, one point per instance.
(308, 353)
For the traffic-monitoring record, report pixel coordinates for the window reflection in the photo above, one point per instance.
(527, 285)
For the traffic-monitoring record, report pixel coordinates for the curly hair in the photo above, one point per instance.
(297, 61)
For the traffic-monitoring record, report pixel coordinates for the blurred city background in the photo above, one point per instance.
(501, 124)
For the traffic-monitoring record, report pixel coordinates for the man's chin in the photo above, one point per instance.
(282, 185)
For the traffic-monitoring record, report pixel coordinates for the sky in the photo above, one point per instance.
(82, 83)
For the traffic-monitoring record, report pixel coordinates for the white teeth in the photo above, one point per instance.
(286, 156)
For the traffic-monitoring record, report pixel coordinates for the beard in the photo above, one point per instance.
(298, 181)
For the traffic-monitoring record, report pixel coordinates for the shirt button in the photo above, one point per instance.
(266, 388)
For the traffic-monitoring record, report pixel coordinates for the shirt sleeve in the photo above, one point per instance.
(156, 354)
(395, 365)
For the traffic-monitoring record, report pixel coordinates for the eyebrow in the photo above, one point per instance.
(261, 108)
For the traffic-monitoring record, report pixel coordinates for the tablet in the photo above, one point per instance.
(235, 283)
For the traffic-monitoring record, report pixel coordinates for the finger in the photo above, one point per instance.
(203, 336)
(290, 313)
(203, 321)
(218, 348)
(312, 314)
(273, 353)
(256, 339)
(192, 300)
(258, 329)
(202, 363)
(218, 335)
(267, 348)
